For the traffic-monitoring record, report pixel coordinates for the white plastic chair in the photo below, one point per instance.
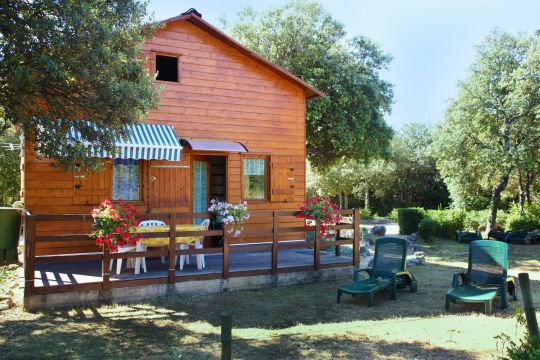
(142, 247)
(198, 244)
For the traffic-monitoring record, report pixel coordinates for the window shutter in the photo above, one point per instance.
(281, 179)
(93, 188)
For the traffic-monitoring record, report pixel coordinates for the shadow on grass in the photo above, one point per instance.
(161, 334)
(186, 327)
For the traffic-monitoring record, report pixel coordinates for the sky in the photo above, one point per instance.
(432, 42)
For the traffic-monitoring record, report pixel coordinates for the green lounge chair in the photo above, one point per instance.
(388, 272)
(485, 278)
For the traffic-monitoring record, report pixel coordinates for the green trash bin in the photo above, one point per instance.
(10, 227)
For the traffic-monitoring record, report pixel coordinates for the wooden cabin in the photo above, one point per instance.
(240, 122)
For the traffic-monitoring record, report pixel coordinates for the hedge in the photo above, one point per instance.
(409, 218)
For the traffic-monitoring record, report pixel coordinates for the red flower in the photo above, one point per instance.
(117, 230)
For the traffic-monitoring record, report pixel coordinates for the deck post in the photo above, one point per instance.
(275, 234)
(105, 269)
(528, 307)
(225, 254)
(29, 254)
(356, 241)
(172, 248)
(317, 248)
(338, 248)
(226, 335)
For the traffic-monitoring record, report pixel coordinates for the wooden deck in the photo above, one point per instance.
(83, 272)
(274, 255)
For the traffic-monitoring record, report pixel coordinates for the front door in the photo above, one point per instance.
(169, 186)
(200, 187)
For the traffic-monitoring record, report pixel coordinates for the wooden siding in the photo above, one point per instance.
(221, 94)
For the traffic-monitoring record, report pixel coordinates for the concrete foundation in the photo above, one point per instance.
(144, 292)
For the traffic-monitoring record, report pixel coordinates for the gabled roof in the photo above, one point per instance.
(194, 17)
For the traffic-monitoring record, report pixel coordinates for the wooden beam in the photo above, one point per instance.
(172, 248)
(29, 254)
(275, 242)
(225, 255)
(356, 242)
(317, 248)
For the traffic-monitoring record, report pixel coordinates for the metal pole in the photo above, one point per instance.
(528, 305)
(226, 336)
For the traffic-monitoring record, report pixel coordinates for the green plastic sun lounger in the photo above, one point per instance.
(485, 278)
(388, 272)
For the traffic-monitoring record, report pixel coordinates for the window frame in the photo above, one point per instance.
(178, 58)
(142, 167)
(266, 159)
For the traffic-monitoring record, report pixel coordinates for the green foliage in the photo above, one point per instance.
(427, 229)
(409, 218)
(475, 219)
(492, 128)
(529, 218)
(408, 177)
(10, 160)
(393, 215)
(525, 349)
(447, 222)
(303, 38)
(64, 60)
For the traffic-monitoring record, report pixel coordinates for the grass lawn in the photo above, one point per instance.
(292, 322)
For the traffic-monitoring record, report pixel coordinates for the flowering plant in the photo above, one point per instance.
(233, 216)
(113, 222)
(322, 211)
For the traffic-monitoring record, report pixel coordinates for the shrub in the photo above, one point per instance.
(409, 218)
(475, 219)
(447, 222)
(393, 215)
(426, 229)
(530, 218)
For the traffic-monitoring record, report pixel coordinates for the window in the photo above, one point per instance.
(127, 179)
(167, 68)
(255, 179)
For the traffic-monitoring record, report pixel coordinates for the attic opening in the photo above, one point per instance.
(167, 68)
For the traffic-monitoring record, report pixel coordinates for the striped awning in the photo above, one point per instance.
(145, 141)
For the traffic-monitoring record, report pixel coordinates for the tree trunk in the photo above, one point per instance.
(521, 193)
(496, 199)
(366, 200)
(340, 200)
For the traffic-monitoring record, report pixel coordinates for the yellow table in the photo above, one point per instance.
(142, 244)
(164, 241)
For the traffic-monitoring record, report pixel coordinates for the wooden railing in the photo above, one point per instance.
(229, 245)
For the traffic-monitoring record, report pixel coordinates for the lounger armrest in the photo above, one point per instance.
(358, 271)
(455, 280)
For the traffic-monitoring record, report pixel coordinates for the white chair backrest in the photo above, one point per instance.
(206, 223)
(152, 223)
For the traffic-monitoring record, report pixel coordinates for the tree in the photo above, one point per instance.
(65, 60)
(303, 38)
(10, 181)
(493, 126)
(338, 181)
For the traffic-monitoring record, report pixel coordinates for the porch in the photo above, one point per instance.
(61, 279)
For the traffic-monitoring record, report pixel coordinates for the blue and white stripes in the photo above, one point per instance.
(145, 141)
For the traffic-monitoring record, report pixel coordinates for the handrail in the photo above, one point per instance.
(278, 229)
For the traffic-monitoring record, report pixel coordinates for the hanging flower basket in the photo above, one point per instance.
(113, 222)
(232, 216)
